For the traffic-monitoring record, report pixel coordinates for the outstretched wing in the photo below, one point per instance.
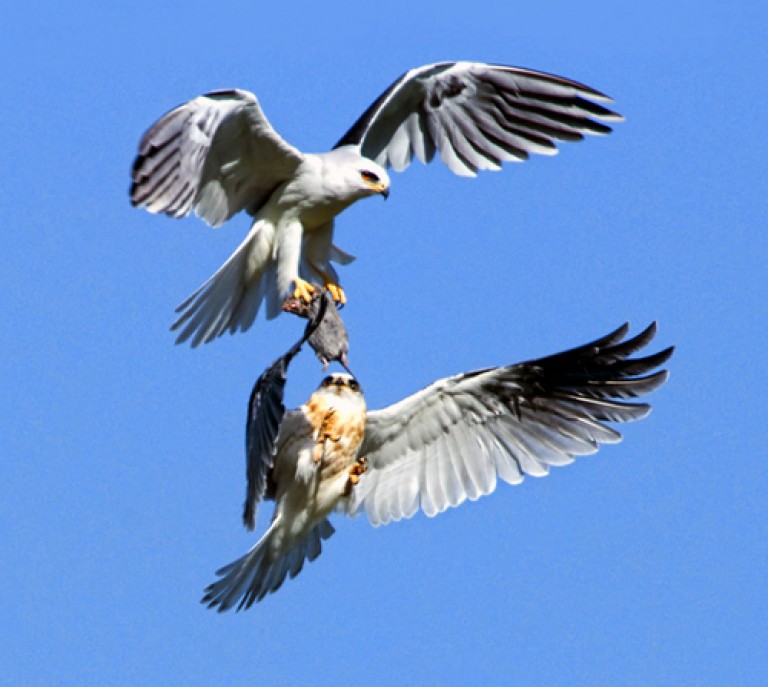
(476, 115)
(265, 415)
(449, 441)
(216, 155)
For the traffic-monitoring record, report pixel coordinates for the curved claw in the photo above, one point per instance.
(303, 289)
(357, 469)
(337, 293)
(329, 284)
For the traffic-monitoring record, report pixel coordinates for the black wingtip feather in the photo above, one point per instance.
(601, 368)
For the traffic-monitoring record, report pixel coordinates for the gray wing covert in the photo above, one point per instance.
(216, 155)
(476, 116)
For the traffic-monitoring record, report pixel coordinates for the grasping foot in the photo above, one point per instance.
(357, 469)
(303, 289)
(337, 293)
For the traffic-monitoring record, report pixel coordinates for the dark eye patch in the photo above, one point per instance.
(369, 176)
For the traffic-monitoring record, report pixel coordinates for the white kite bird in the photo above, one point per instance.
(433, 450)
(217, 155)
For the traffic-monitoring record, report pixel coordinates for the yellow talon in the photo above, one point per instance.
(303, 289)
(356, 470)
(337, 293)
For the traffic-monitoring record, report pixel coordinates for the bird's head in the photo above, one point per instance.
(353, 176)
(375, 178)
(342, 384)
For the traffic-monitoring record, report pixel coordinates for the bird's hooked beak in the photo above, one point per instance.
(378, 183)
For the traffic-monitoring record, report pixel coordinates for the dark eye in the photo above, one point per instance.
(369, 177)
(328, 381)
(353, 385)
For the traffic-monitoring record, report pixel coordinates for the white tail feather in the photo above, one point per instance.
(231, 298)
(257, 573)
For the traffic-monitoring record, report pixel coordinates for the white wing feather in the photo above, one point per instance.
(476, 115)
(451, 441)
(216, 155)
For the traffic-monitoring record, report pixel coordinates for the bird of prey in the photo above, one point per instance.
(434, 449)
(218, 154)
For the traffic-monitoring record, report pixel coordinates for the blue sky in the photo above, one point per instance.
(123, 465)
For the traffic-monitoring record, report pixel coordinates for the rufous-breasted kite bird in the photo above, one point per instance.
(434, 449)
(217, 155)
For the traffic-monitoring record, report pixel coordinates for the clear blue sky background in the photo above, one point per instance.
(122, 471)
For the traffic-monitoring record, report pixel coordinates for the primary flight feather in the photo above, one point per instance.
(217, 155)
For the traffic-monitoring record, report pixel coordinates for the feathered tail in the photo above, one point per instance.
(231, 298)
(255, 575)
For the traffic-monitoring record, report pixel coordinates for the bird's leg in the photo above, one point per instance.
(337, 293)
(324, 434)
(303, 289)
(357, 469)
